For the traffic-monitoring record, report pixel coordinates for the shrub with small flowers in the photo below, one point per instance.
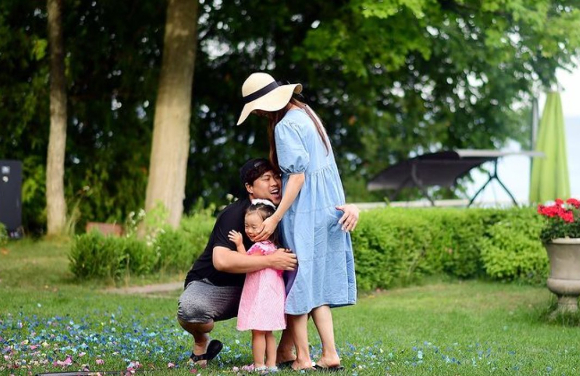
(562, 219)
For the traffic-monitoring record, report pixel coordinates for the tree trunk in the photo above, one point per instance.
(170, 148)
(55, 202)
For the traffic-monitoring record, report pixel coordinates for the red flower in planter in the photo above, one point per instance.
(562, 219)
(575, 203)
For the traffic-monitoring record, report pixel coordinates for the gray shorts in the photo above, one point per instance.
(203, 302)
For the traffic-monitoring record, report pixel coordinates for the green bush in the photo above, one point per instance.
(392, 246)
(179, 248)
(396, 246)
(512, 248)
(3, 235)
(94, 255)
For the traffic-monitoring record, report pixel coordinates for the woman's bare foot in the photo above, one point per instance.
(328, 362)
(302, 365)
(285, 359)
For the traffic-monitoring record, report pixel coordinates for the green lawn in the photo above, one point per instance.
(443, 328)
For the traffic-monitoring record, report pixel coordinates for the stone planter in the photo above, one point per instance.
(564, 280)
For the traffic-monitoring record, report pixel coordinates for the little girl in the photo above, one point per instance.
(263, 296)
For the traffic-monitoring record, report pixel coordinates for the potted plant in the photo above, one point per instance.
(561, 237)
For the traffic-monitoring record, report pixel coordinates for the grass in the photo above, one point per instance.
(443, 328)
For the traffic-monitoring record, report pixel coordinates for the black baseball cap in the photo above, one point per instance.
(253, 169)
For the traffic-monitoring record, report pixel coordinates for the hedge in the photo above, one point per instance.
(94, 255)
(398, 245)
(392, 246)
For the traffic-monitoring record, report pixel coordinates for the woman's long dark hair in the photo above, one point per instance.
(275, 117)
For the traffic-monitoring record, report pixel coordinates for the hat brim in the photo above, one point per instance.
(273, 101)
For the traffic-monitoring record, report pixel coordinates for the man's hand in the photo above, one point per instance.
(235, 237)
(349, 219)
(282, 259)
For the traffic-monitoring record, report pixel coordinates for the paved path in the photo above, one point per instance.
(148, 289)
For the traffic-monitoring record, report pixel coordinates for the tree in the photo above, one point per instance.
(170, 148)
(442, 74)
(55, 201)
(389, 79)
(113, 55)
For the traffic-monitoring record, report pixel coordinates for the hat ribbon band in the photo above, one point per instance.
(260, 93)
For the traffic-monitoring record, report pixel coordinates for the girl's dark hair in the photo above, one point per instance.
(265, 211)
(275, 117)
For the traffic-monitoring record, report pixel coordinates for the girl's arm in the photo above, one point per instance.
(293, 187)
(236, 237)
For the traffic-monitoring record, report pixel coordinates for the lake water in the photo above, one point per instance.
(514, 172)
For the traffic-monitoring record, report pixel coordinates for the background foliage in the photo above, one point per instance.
(391, 79)
(162, 250)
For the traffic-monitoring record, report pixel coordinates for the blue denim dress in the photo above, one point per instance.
(325, 273)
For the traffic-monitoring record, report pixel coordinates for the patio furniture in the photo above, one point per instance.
(442, 169)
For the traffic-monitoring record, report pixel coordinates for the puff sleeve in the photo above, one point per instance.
(293, 157)
(256, 248)
(262, 248)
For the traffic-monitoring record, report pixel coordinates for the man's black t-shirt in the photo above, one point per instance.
(231, 218)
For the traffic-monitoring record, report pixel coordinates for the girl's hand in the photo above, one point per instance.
(268, 227)
(235, 237)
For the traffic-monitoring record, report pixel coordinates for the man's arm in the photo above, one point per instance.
(225, 260)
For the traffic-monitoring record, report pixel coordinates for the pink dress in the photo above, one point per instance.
(263, 296)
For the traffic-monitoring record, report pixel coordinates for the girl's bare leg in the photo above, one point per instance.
(258, 347)
(323, 320)
(270, 349)
(300, 331)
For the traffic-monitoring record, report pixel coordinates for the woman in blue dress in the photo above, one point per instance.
(311, 205)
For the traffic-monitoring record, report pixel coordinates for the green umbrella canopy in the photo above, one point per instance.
(549, 179)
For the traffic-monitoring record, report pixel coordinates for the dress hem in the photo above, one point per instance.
(338, 305)
(263, 330)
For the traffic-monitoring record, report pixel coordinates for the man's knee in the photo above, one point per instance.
(191, 312)
(202, 302)
(196, 328)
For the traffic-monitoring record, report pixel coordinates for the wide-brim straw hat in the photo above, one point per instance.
(260, 91)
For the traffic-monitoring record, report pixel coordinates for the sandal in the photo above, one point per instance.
(286, 364)
(213, 349)
(328, 369)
